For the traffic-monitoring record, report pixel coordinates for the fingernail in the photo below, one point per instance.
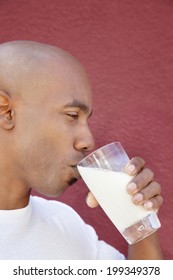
(130, 168)
(131, 188)
(138, 198)
(90, 202)
(148, 205)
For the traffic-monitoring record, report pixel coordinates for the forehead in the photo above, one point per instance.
(62, 79)
(80, 99)
(68, 86)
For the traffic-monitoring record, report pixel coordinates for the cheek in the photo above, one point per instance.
(58, 133)
(47, 143)
(49, 154)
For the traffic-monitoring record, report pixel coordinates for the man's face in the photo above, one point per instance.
(52, 130)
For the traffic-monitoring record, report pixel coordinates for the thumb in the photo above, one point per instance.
(91, 201)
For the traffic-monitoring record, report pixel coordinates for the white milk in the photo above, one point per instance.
(109, 188)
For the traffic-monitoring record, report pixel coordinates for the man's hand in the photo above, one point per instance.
(143, 188)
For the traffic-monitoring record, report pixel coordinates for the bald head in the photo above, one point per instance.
(22, 61)
(30, 71)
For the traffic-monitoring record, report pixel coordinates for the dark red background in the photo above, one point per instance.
(127, 48)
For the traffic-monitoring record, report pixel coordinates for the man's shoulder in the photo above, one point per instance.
(52, 208)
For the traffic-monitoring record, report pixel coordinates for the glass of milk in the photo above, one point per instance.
(103, 173)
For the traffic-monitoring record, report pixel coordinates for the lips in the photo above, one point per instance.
(74, 164)
(77, 175)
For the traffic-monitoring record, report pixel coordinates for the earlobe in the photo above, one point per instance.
(6, 111)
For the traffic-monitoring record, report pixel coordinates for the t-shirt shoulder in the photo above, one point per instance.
(53, 207)
(61, 214)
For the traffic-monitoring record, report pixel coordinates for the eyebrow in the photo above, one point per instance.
(78, 104)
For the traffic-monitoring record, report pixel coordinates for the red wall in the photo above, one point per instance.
(127, 47)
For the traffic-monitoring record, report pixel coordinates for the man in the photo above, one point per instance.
(45, 103)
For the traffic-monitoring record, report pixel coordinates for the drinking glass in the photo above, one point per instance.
(103, 172)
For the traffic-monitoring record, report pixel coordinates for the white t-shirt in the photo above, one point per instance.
(47, 229)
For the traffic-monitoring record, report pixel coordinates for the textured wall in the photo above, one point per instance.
(127, 48)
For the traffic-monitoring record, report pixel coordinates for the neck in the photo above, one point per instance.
(13, 197)
(12, 205)
(14, 193)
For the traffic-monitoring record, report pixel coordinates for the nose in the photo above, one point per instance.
(85, 140)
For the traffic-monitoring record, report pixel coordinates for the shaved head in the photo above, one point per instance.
(23, 61)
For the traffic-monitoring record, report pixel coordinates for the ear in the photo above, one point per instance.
(6, 111)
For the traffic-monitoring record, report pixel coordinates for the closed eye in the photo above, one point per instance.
(73, 115)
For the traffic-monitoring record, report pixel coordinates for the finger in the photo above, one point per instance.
(91, 200)
(140, 181)
(154, 203)
(134, 166)
(147, 193)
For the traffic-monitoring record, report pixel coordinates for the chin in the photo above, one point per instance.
(56, 190)
(53, 192)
